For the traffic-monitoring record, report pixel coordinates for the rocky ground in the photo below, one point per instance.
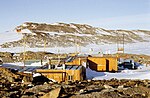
(19, 85)
(29, 55)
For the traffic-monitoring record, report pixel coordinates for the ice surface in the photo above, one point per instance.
(133, 48)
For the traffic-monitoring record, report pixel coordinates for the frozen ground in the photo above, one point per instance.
(133, 48)
(125, 74)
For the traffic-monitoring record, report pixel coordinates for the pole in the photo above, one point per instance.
(44, 44)
(76, 47)
(123, 43)
(24, 43)
(76, 44)
(117, 41)
(58, 57)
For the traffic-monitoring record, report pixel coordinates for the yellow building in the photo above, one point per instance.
(103, 63)
(68, 73)
(107, 63)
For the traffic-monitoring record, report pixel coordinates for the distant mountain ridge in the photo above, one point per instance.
(66, 35)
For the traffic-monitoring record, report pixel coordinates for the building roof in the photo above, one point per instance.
(33, 68)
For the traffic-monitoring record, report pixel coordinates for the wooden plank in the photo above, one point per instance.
(52, 94)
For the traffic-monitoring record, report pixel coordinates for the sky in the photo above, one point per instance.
(108, 14)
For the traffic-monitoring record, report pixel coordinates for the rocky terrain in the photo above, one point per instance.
(19, 85)
(67, 35)
(8, 57)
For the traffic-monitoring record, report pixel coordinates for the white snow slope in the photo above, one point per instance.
(10, 36)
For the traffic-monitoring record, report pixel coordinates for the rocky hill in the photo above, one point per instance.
(66, 35)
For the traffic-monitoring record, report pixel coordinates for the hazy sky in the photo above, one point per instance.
(109, 14)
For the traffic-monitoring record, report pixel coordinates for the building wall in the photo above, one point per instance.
(62, 75)
(103, 63)
(113, 64)
(97, 63)
(57, 75)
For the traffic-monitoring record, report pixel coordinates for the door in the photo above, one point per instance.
(107, 65)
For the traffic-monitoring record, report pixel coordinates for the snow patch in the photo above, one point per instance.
(73, 26)
(24, 25)
(137, 75)
(36, 74)
(25, 31)
(102, 32)
(55, 23)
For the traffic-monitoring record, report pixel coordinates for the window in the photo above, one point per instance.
(70, 77)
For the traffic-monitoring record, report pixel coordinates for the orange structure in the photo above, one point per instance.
(95, 63)
(103, 63)
(73, 68)
(69, 73)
